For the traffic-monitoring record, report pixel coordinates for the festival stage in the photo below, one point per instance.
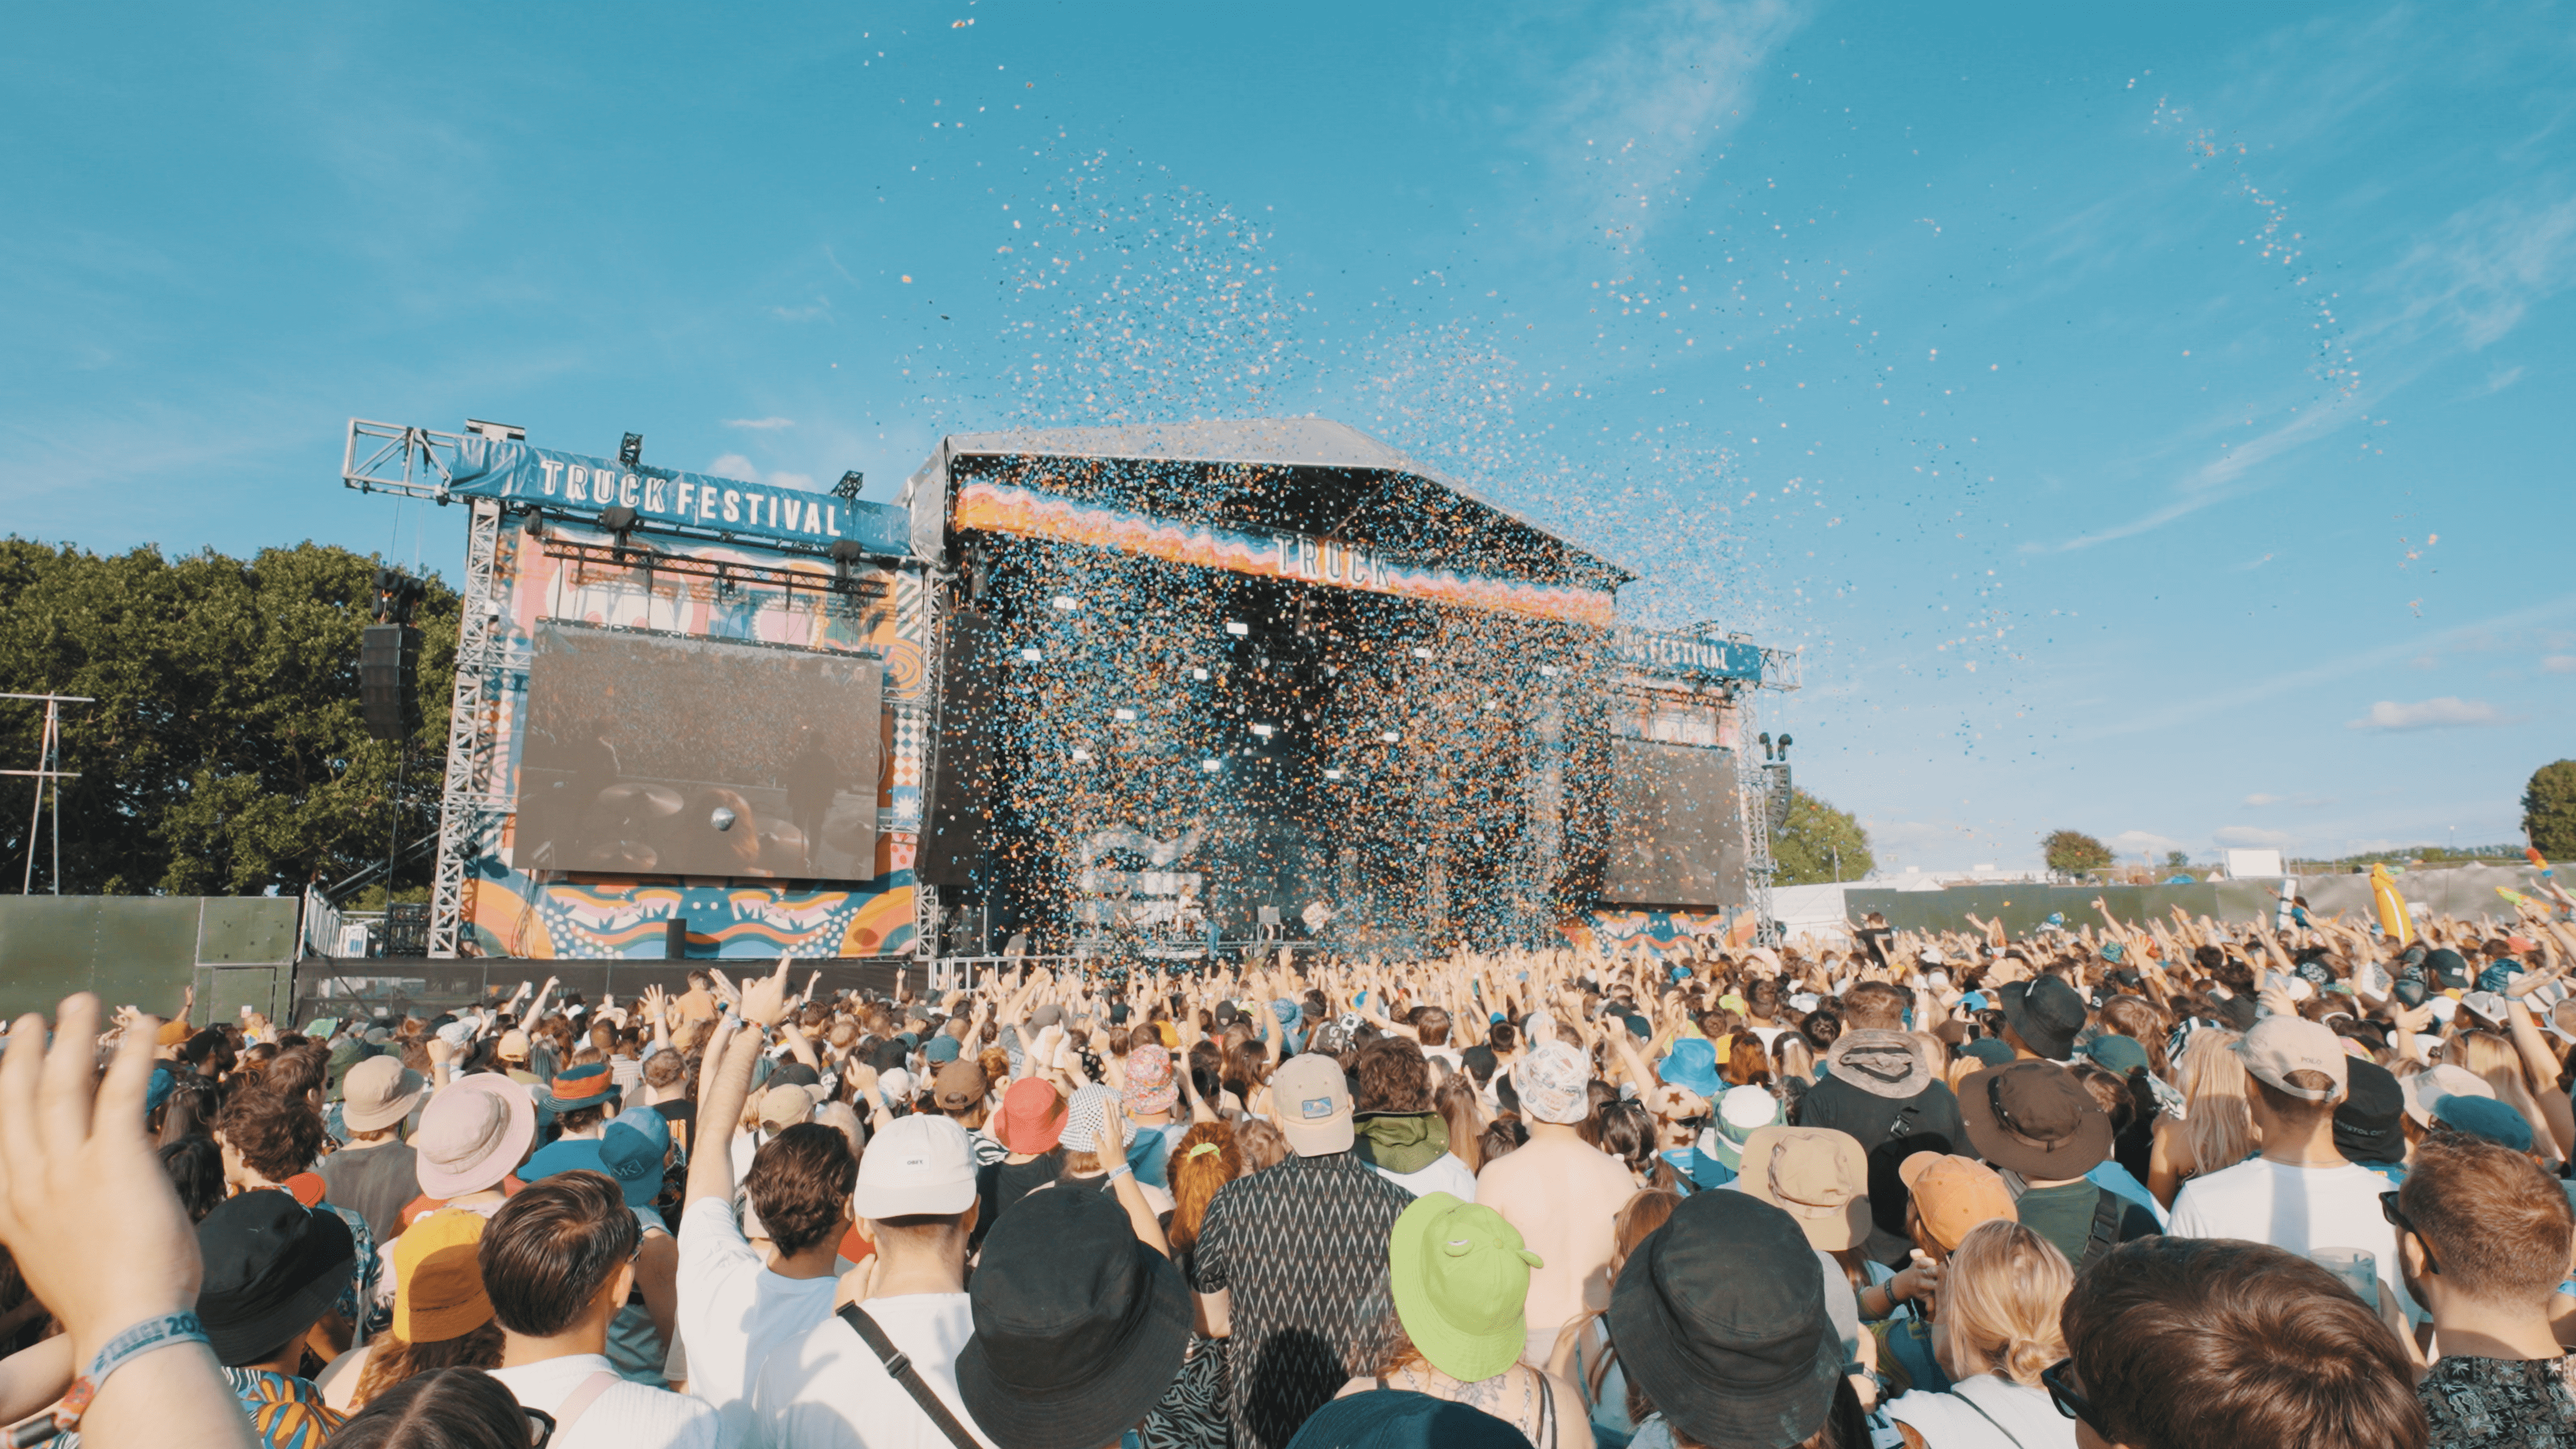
(1140, 694)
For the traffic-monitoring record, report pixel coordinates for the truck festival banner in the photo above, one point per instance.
(544, 478)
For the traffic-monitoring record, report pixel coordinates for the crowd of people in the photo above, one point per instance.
(2179, 1184)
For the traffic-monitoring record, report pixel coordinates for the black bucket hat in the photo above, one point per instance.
(2047, 1013)
(1079, 1328)
(273, 1266)
(1720, 1318)
(2369, 1123)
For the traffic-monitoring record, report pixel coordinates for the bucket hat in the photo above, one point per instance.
(1460, 1276)
(1891, 1064)
(1816, 1175)
(1150, 1085)
(273, 1266)
(1079, 1328)
(1691, 1067)
(2046, 1013)
(1720, 1318)
(438, 1278)
(1550, 1079)
(1742, 1112)
(2036, 1119)
(1032, 1117)
(1953, 1194)
(472, 1134)
(379, 1092)
(576, 1087)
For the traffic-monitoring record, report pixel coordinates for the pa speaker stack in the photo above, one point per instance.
(389, 680)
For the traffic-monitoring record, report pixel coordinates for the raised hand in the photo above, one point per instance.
(764, 999)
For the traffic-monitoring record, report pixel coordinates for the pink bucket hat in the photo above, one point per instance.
(1150, 1085)
(473, 1133)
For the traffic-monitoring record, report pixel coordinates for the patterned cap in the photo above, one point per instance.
(1550, 1080)
(1150, 1085)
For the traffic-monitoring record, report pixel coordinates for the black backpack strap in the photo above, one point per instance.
(2107, 1212)
(899, 1367)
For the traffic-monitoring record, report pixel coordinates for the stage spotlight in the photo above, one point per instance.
(619, 521)
(1238, 628)
(1421, 653)
(847, 490)
(1066, 602)
(1033, 656)
(535, 523)
(1123, 716)
(1082, 757)
(1547, 671)
(630, 451)
(1211, 766)
(1391, 736)
(1263, 730)
(1332, 774)
(1784, 747)
(1199, 674)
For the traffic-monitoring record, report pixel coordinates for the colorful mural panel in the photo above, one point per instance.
(1618, 932)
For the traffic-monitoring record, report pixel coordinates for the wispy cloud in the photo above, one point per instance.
(735, 465)
(2360, 661)
(760, 424)
(2143, 842)
(2448, 712)
(1638, 116)
(2226, 477)
(2249, 837)
(2559, 664)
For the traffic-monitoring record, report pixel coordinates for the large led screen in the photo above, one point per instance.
(660, 754)
(1676, 838)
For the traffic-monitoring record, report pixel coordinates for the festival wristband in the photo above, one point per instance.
(128, 1345)
(1124, 1169)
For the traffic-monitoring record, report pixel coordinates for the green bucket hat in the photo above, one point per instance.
(1460, 1278)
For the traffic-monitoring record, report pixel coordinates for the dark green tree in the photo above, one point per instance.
(2072, 852)
(2176, 860)
(1818, 844)
(225, 753)
(2549, 810)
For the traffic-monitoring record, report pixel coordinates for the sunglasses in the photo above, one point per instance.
(2070, 1403)
(2397, 1220)
(541, 1427)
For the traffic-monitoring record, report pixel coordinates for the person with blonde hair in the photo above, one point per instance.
(2495, 1061)
(2216, 1129)
(1995, 1330)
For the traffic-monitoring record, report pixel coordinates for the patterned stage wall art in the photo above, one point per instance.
(571, 914)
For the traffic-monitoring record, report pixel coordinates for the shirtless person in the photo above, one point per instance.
(1560, 1191)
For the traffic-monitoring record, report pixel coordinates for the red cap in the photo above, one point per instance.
(1032, 1117)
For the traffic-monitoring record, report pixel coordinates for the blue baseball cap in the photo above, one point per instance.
(632, 1150)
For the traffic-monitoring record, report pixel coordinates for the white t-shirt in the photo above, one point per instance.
(828, 1390)
(2027, 1419)
(1445, 1174)
(628, 1416)
(2295, 1209)
(734, 1310)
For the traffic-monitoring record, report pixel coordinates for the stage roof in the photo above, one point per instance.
(1309, 475)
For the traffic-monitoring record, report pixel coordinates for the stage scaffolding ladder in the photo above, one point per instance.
(469, 813)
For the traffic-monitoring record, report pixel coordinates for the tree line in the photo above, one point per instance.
(225, 753)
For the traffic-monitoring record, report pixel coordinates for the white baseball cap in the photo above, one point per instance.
(2425, 1089)
(2280, 1045)
(921, 1164)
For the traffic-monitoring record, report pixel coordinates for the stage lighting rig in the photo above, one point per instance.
(619, 521)
(534, 523)
(845, 552)
(847, 490)
(630, 451)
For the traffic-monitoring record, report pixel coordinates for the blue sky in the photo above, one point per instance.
(2139, 414)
